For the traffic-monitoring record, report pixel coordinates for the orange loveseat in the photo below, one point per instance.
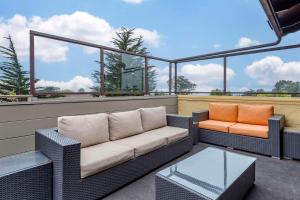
(250, 127)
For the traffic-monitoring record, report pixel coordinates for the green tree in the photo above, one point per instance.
(123, 69)
(260, 90)
(216, 92)
(286, 86)
(81, 90)
(184, 84)
(12, 78)
(249, 92)
(219, 92)
(48, 89)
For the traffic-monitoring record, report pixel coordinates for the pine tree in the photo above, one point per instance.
(13, 79)
(118, 64)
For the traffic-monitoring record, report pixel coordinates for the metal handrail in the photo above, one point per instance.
(102, 91)
(74, 41)
(224, 53)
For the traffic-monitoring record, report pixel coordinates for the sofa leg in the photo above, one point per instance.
(230, 148)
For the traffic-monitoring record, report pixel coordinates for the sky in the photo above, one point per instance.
(170, 28)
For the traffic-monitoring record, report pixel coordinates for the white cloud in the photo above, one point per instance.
(216, 46)
(151, 37)
(243, 89)
(207, 77)
(270, 69)
(162, 78)
(74, 84)
(78, 25)
(133, 1)
(246, 42)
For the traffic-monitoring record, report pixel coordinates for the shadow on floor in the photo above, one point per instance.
(275, 179)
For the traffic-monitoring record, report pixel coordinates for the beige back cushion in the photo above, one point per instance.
(87, 129)
(124, 124)
(153, 118)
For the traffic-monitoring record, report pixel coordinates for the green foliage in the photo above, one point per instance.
(249, 92)
(219, 92)
(286, 86)
(282, 86)
(13, 78)
(12, 93)
(216, 92)
(81, 90)
(184, 85)
(49, 92)
(123, 71)
(48, 89)
(273, 95)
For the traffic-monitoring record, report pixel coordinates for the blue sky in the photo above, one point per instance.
(171, 28)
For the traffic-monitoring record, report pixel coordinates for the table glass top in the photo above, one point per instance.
(209, 172)
(23, 161)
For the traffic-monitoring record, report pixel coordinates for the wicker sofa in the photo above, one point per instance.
(93, 155)
(252, 128)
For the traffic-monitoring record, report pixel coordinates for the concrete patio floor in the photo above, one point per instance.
(275, 179)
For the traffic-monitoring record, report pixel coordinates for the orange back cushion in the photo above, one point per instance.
(255, 114)
(223, 112)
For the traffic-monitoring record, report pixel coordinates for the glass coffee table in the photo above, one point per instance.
(209, 174)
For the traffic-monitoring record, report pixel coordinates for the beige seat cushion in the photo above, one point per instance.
(125, 124)
(87, 129)
(153, 118)
(100, 157)
(143, 143)
(172, 134)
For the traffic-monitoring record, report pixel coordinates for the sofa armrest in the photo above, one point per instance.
(183, 122)
(200, 116)
(278, 120)
(276, 125)
(65, 155)
(179, 121)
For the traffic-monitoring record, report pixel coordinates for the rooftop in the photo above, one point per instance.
(91, 110)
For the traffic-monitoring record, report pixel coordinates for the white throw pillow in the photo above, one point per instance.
(153, 118)
(124, 124)
(88, 129)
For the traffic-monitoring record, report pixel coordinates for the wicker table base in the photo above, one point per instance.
(179, 182)
(26, 176)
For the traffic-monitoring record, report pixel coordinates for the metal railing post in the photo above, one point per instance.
(175, 78)
(146, 85)
(32, 64)
(225, 76)
(102, 77)
(170, 78)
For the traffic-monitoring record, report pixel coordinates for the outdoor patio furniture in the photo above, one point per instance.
(291, 143)
(210, 174)
(128, 145)
(26, 176)
(253, 128)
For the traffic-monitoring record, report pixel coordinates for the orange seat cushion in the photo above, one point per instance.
(250, 130)
(223, 112)
(216, 125)
(254, 114)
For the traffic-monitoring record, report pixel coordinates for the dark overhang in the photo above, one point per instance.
(283, 15)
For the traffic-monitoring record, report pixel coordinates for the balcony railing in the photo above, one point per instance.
(173, 68)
